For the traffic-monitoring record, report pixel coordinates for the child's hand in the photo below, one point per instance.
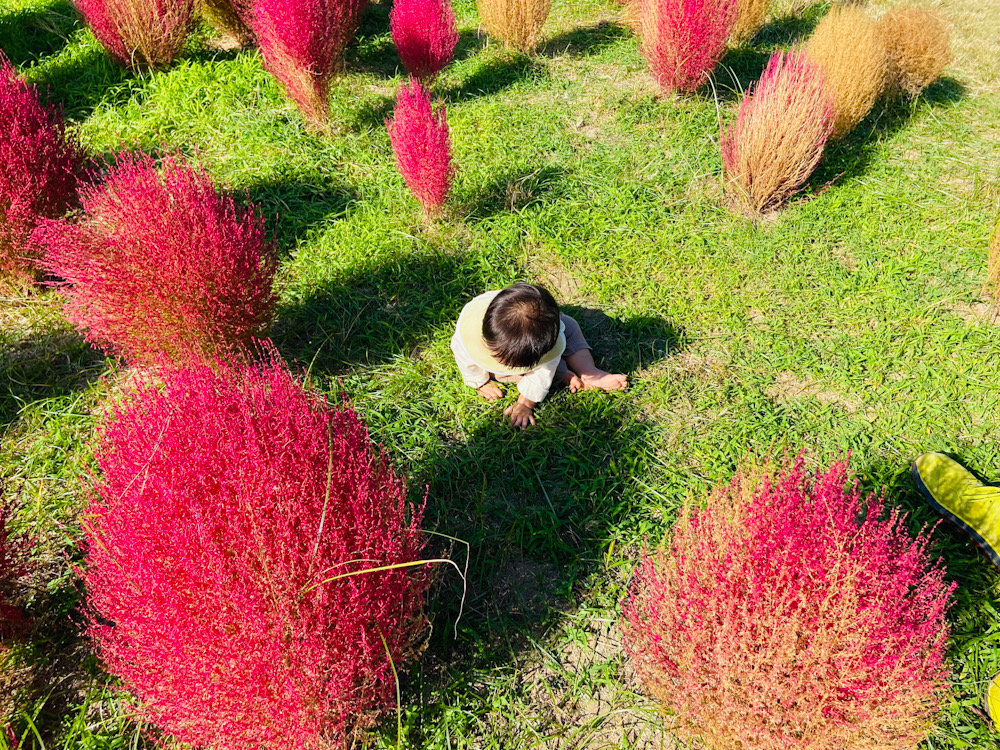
(521, 412)
(490, 392)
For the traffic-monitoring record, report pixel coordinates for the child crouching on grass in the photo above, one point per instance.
(517, 335)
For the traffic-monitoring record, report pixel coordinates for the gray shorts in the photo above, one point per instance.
(574, 342)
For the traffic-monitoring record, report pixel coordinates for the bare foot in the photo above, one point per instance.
(606, 381)
(573, 382)
(490, 392)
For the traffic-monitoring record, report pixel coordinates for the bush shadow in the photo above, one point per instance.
(377, 54)
(28, 35)
(785, 31)
(292, 208)
(735, 72)
(515, 191)
(584, 41)
(496, 72)
(86, 81)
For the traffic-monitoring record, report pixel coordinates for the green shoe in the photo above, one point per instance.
(991, 701)
(961, 498)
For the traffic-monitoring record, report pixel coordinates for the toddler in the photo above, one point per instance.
(517, 335)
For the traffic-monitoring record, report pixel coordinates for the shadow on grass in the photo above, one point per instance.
(584, 41)
(496, 72)
(27, 35)
(626, 345)
(515, 191)
(786, 31)
(86, 80)
(292, 208)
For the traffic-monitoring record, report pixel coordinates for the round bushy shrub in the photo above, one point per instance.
(38, 170)
(425, 35)
(517, 23)
(229, 562)
(918, 46)
(792, 614)
(140, 33)
(161, 267)
(683, 40)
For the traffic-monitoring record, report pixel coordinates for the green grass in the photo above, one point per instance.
(845, 323)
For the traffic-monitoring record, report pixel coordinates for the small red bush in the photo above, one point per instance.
(422, 146)
(302, 42)
(683, 40)
(230, 498)
(140, 33)
(425, 35)
(38, 170)
(161, 265)
(790, 615)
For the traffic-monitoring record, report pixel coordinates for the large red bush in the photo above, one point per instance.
(425, 35)
(302, 42)
(234, 508)
(683, 40)
(161, 266)
(38, 170)
(140, 33)
(793, 614)
(421, 143)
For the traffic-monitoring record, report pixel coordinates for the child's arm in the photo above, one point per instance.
(473, 375)
(521, 412)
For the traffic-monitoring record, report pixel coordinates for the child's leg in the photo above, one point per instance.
(580, 362)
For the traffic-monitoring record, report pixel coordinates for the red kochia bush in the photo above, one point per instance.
(422, 146)
(793, 614)
(302, 42)
(38, 170)
(683, 40)
(161, 266)
(232, 511)
(425, 35)
(140, 33)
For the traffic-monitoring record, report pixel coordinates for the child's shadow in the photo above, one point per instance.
(626, 345)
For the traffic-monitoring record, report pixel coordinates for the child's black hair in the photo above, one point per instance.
(521, 324)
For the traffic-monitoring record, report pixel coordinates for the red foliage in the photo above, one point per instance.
(13, 567)
(230, 498)
(302, 42)
(140, 33)
(422, 146)
(794, 614)
(38, 169)
(425, 35)
(161, 265)
(683, 40)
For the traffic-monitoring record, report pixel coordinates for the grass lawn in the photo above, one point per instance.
(851, 321)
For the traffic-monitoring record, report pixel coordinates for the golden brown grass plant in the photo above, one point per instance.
(750, 17)
(993, 277)
(230, 18)
(848, 47)
(918, 47)
(517, 23)
(781, 128)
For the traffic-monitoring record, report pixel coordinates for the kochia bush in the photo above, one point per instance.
(38, 170)
(425, 35)
(792, 615)
(517, 23)
(302, 42)
(918, 46)
(140, 33)
(422, 146)
(683, 40)
(229, 562)
(781, 128)
(160, 266)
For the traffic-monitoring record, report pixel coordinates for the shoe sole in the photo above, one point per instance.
(952, 518)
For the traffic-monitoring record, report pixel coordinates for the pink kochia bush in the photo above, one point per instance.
(421, 143)
(140, 33)
(230, 556)
(302, 42)
(38, 170)
(683, 40)
(425, 35)
(792, 614)
(160, 266)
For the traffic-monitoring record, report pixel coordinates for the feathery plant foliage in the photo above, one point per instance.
(750, 17)
(231, 18)
(918, 47)
(421, 143)
(993, 274)
(517, 23)
(140, 33)
(160, 266)
(302, 43)
(39, 163)
(849, 48)
(13, 567)
(249, 561)
(790, 614)
(781, 128)
(683, 40)
(425, 35)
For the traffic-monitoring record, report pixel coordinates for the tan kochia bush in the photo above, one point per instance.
(230, 17)
(993, 279)
(514, 22)
(849, 48)
(918, 47)
(750, 16)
